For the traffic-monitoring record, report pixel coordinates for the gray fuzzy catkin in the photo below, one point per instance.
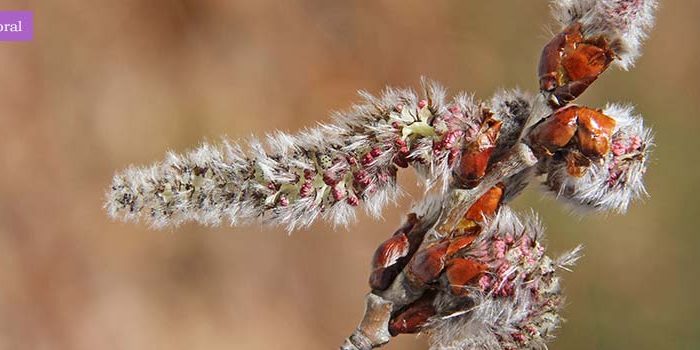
(324, 171)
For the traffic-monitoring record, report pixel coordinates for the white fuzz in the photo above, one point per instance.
(516, 303)
(325, 171)
(625, 23)
(618, 179)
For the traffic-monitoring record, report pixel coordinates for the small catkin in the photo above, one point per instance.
(617, 179)
(515, 304)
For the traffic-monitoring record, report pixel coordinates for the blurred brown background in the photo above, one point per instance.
(109, 83)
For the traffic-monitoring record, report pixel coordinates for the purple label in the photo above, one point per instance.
(16, 25)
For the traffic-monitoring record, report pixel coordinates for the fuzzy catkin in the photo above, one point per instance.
(320, 172)
(616, 180)
(516, 303)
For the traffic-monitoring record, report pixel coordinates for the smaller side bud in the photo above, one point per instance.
(428, 263)
(594, 132)
(555, 131)
(475, 159)
(461, 272)
(412, 318)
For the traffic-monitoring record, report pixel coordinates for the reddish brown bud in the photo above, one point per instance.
(486, 205)
(413, 317)
(585, 61)
(461, 272)
(555, 131)
(428, 263)
(475, 158)
(594, 132)
(384, 258)
(391, 257)
(390, 251)
(550, 60)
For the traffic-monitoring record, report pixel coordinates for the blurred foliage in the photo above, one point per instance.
(109, 83)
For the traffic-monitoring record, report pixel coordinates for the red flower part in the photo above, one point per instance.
(635, 143)
(306, 189)
(401, 146)
(362, 178)
(367, 159)
(352, 199)
(338, 193)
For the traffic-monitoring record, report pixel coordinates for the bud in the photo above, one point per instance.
(612, 181)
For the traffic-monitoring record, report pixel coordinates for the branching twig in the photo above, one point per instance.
(466, 270)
